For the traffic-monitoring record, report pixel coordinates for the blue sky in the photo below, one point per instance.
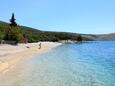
(79, 16)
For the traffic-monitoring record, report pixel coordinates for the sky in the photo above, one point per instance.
(77, 16)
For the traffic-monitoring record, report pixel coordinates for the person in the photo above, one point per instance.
(40, 46)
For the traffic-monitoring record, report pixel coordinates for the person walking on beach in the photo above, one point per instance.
(40, 46)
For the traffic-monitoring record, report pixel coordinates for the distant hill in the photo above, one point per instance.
(35, 35)
(108, 37)
(101, 37)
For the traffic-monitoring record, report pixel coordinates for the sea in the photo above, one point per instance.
(81, 64)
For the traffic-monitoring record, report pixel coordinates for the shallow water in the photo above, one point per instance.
(86, 64)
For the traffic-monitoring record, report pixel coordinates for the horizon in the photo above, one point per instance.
(89, 17)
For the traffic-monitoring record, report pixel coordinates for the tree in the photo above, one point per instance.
(79, 38)
(12, 21)
(14, 32)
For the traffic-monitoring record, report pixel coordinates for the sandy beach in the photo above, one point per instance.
(12, 55)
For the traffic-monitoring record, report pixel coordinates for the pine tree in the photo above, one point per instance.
(14, 31)
(12, 21)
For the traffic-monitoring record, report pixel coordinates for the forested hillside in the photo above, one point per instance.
(35, 35)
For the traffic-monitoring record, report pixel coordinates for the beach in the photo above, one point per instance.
(65, 65)
(11, 55)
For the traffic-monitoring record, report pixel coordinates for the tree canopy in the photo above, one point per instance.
(13, 32)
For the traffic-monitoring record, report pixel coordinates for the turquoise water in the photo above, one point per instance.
(86, 64)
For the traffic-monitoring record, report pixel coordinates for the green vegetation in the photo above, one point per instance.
(79, 38)
(15, 32)
(35, 35)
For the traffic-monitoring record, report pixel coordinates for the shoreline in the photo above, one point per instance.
(11, 55)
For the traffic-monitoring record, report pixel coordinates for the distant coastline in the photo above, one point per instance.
(35, 35)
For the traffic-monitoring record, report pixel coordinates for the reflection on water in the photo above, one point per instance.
(88, 64)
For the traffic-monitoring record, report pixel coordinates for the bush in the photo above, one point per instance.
(14, 33)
